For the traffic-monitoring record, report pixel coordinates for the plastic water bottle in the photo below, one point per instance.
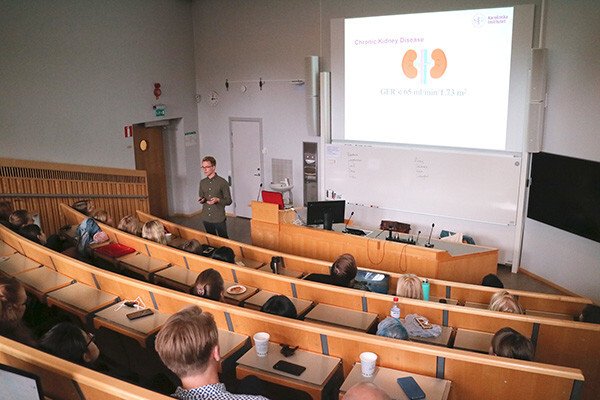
(395, 311)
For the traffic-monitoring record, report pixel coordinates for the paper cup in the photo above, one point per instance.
(261, 343)
(367, 363)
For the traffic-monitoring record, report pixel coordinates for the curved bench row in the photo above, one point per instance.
(473, 376)
(463, 292)
(555, 340)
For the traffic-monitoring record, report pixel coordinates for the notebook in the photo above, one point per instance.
(114, 250)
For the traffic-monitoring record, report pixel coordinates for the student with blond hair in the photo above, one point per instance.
(155, 231)
(188, 344)
(130, 224)
(409, 285)
(104, 217)
(505, 302)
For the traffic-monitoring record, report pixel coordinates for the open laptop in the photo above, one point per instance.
(273, 198)
(18, 384)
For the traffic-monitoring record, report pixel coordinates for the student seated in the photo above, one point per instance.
(6, 209)
(86, 207)
(104, 217)
(130, 224)
(209, 284)
(409, 286)
(13, 303)
(155, 231)
(188, 344)
(191, 246)
(341, 273)
(366, 391)
(34, 233)
(224, 253)
(505, 302)
(70, 343)
(280, 305)
(492, 280)
(509, 343)
(19, 218)
(590, 313)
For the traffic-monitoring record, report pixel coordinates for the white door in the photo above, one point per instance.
(246, 158)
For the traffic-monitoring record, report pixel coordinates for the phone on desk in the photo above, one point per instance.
(411, 388)
(289, 367)
(139, 314)
(424, 322)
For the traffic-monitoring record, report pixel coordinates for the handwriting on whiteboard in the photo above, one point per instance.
(354, 161)
(421, 168)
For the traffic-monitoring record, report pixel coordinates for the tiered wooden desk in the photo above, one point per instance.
(80, 300)
(385, 378)
(320, 369)
(332, 315)
(16, 263)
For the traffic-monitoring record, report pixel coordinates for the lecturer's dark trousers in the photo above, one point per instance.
(218, 228)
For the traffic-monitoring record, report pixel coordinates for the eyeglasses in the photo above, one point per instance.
(91, 339)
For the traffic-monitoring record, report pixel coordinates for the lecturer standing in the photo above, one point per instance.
(214, 194)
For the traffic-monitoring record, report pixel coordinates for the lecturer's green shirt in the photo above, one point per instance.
(215, 187)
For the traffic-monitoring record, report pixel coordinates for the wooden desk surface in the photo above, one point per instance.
(442, 340)
(467, 339)
(319, 367)
(176, 241)
(81, 297)
(17, 263)
(179, 274)
(114, 318)
(246, 262)
(260, 298)
(481, 306)
(448, 301)
(43, 280)
(5, 249)
(230, 342)
(358, 320)
(238, 298)
(385, 378)
(548, 314)
(143, 263)
(284, 271)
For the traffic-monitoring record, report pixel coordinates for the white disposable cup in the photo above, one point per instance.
(367, 363)
(261, 343)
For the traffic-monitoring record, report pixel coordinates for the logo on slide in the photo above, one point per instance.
(436, 63)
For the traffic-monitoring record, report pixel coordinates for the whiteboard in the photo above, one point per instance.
(473, 186)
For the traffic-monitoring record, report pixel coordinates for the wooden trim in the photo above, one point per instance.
(549, 283)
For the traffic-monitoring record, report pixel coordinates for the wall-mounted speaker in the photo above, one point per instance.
(535, 127)
(539, 75)
(325, 106)
(311, 72)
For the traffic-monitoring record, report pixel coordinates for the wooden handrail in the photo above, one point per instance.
(68, 381)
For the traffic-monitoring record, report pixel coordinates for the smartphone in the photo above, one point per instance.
(411, 388)
(289, 367)
(139, 314)
(424, 322)
(202, 200)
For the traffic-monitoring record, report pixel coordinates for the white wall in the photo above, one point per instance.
(246, 41)
(74, 73)
(572, 121)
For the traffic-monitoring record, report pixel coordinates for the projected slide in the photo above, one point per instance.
(438, 79)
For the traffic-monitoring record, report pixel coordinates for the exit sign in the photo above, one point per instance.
(160, 110)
